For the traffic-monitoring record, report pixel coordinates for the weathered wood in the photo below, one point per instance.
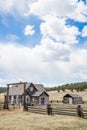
(17, 83)
(37, 109)
(60, 110)
(24, 96)
(7, 97)
(1, 105)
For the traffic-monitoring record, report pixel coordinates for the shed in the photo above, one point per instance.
(72, 99)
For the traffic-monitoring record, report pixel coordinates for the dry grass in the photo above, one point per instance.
(19, 120)
(54, 95)
(2, 97)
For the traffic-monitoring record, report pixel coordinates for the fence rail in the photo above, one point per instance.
(57, 110)
(37, 109)
(1, 105)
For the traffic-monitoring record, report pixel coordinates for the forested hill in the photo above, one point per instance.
(73, 86)
(2, 89)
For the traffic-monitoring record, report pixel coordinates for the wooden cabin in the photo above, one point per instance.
(35, 94)
(72, 99)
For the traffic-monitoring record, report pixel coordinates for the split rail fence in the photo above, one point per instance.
(1, 105)
(57, 110)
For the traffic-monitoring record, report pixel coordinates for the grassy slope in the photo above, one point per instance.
(54, 95)
(19, 120)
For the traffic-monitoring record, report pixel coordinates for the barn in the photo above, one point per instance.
(72, 99)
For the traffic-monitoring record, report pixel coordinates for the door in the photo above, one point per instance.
(70, 100)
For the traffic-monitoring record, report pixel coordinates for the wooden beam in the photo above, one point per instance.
(24, 96)
(24, 93)
(17, 83)
(7, 98)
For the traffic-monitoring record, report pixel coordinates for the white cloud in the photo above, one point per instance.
(49, 63)
(14, 7)
(61, 8)
(29, 30)
(52, 51)
(57, 29)
(84, 31)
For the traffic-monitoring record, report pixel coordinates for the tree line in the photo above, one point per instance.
(72, 86)
(2, 89)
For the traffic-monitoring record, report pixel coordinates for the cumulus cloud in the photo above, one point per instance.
(84, 31)
(57, 29)
(54, 51)
(49, 62)
(29, 30)
(67, 8)
(14, 7)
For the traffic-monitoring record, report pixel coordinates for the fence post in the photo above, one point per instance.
(80, 111)
(49, 109)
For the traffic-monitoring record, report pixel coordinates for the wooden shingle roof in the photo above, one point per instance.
(72, 95)
(19, 89)
(40, 87)
(37, 94)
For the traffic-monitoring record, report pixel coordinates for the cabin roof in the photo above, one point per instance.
(72, 95)
(40, 87)
(19, 89)
(37, 94)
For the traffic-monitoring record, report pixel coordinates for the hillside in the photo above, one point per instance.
(2, 89)
(55, 95)
(73, 86)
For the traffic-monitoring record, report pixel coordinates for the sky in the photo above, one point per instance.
(43, 41)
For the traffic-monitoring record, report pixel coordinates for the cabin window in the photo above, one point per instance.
(14, 97)
(9, 98)
(19, 97)
(27, 99)
(31, 88)
(42, 101)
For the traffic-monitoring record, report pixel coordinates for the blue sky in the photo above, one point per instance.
(43, 41)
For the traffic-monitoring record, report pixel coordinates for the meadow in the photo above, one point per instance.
(18, 119)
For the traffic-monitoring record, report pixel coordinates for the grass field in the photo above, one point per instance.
(54, 95)
(19, 120)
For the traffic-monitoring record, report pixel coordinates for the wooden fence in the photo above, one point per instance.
(1, 105)
(37, 109)
(65, 110)
(60, 110)
(85, 113)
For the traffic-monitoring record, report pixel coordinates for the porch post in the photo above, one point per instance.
(7, 99)
(24, 97)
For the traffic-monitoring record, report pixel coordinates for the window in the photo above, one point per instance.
(31, 88)
(9, 98)
(27, 99)
(19, 98)
(42, 101)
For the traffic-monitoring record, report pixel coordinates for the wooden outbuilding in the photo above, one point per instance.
(72, 99)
